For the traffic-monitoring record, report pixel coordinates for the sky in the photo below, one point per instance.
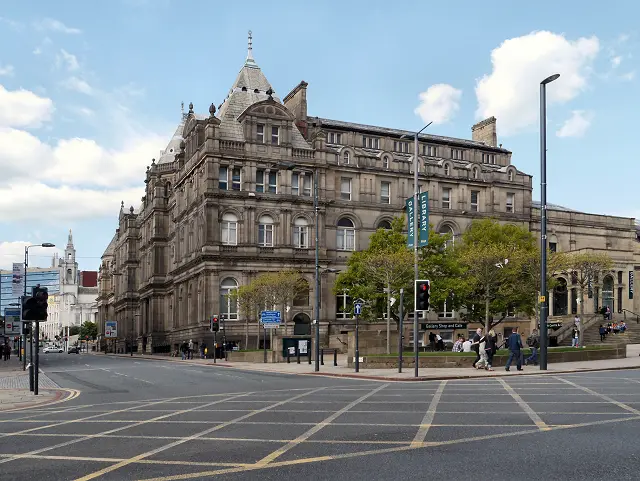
(90, 92)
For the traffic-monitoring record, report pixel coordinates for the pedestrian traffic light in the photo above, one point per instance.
(423, 291)
(215, 324)
(26, 328)
(34, 308)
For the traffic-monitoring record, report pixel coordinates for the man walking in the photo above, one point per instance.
(514, 343)
(533, 341)
(476, 345)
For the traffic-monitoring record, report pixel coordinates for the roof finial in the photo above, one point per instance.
(250, 61)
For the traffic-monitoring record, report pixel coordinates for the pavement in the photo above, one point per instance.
(165, 420)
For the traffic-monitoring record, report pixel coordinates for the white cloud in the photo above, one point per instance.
(576, 125)
(78, 85)
(7, 71)
(629, 76)
(616, 61)
(67, 59)
(53, 25)
(439, 103)
(12, 24)
(511, 91)
(83, 111)
(11, 252)
(43, 45)
(22, 108)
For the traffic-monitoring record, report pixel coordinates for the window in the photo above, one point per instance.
(456, 154)
(222, 177)
(265, 231)
(275, 135)
(553, 247)
(488, 158)
(296, 179)
(447, 230)
(229, 229)
(260, 133)
(474, 200)
(235, 178)
(446, 198)
(228, 308)
(346, 235)
(345, 188)
(384, 224)
(335, 138)
(301, 298)
(300, 233)
(371, 142)
(447, 170)
(385, 192)
(401, 146)
(447, 309)
(346, 157)
(510, 201)
(385, 162)
(343, 305)
(429, 150)
(474, 172)
(266, 181)
(620, 277)
(511, 176)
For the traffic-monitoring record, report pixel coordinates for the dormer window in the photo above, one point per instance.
(429, 150)
(401, 146)
(385, 162)
(475, 172)
(275, 135)
(447, 170)
(260, 133)
(335, 138)
(346, 157)
(489, 159)
(371, 142)
(456, 154)
(511, 176)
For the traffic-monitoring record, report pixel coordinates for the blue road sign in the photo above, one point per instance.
(270, 318)
(357, 309)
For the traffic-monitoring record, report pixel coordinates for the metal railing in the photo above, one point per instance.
(562, 333)
(634, 314)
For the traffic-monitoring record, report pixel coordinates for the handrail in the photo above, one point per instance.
(564, 330)
(624, 312)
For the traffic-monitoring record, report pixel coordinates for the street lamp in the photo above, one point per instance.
(416, 146)
(33, 372)
(543, 221)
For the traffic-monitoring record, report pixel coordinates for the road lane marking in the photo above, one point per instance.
(114, 467)
(115, 460)
(525, 407)
(621, 405)
(428, 417)
(303, 437)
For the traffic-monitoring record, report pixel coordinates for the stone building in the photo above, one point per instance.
(232, 196)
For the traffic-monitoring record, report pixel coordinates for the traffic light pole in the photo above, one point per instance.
(37, 357)
(215, 347)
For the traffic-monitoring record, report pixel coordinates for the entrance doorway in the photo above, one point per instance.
(560, 298)
(301, 325)
(607, 293)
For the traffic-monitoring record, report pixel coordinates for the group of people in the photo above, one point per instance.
(611, 327)
(485, 345)
(6, 351)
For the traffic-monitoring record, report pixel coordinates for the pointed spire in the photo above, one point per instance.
(70, 239)
(182, 114)
(250, 62)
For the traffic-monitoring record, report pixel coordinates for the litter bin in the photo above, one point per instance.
(553, 341)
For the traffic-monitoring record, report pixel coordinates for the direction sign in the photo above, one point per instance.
(12, 321)
(270, 319)
(357, 309)
(111, 329)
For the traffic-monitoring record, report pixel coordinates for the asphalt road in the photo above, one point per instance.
(166, 420)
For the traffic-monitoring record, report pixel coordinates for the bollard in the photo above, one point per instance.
(322, 357)
(288, 356)
(335, 357)
(298, 352)
(30, 368)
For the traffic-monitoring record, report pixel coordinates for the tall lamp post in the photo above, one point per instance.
(33, 374)
(416, 146)
(544, 337)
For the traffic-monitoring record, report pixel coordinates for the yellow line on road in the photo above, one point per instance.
(525, 407)
(303, 437)
(116, 460)
(139, 457)
(624, 406)
(428, 417)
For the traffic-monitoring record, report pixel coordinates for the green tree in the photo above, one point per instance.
(88, 329)
(74, 330)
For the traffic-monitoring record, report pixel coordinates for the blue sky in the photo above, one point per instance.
(91, 91)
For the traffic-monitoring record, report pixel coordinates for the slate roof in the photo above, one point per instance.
(536, 204)
(339, 124)
(110, 250)
(168, 154)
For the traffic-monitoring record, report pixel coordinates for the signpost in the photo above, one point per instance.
(111, 329)
(269, 320)
(357, 310)
(12, 322)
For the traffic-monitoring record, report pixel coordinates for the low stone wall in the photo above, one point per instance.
(466, 359)
(252, 356)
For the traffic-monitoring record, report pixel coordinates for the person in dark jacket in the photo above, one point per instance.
(491, 347)
(533, 341)
(476, 345)
(514, 343)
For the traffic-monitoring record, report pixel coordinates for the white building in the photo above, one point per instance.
(75, 303)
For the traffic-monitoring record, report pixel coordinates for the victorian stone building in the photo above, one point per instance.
(232, 196)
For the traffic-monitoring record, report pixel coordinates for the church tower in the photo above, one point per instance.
(68, 265)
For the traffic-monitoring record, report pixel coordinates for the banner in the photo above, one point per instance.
(17, 281)
(631, 276)
(445, 325)
(410, 222)
(423, 213)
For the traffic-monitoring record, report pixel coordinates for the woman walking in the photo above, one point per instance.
(490, 348)
(482, 363)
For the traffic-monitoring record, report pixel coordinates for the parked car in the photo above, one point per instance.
(73, 350)
(49, 349)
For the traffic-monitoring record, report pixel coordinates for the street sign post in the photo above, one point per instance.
(270, 319)
(357, 310)
(111, 329)
(12, 322)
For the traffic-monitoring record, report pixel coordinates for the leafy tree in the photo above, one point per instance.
(74, 330)
(88, 329)
(496, 284)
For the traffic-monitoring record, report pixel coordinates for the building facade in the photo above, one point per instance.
(232, 197)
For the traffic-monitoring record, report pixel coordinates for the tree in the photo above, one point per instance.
(585, 269)
(496, 285)
(269, 290)
(74, 330)
(88, 329)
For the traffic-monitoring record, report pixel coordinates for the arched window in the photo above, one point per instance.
(167, 189)
(447, 170)
(346, 157)
(475, 172)
(69, 276)
(346, 235)
(607, 292)
(384, 224)
(446, 229)
(229, 229)
(300, 233)
(510, 175)
(385, 162)
(228, 307)
(265, 231)
(302, 297)
(560, 298)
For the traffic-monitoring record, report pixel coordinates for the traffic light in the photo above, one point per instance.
(26, 329)
(34, 308)
(215, 324)
(423, 291)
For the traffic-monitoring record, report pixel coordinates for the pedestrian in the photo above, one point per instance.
(475, 345)
(514, 343)
(575, 336)
(183, 350)
(432, 341)
(603, 333)
(484, 359)
(6, 352)
(190, 349)
(491, 347)
(533, 341)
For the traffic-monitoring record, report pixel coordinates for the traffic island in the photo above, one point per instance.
(465, 359)
(18, 399)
